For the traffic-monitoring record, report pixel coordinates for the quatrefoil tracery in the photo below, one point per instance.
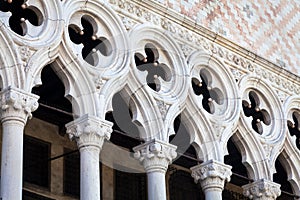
(90, 41)
(210, 95)
(154, 68)
(20, 12)
(294, 127)
(258, 115)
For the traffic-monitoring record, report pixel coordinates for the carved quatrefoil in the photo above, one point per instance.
(210, 95)
(294, 127)
(90, 41)
(20, 12)
(258, 115)
(154, 68)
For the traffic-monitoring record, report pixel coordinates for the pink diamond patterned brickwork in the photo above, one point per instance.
(269, 28)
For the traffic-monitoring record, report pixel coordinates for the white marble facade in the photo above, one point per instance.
(132, 37)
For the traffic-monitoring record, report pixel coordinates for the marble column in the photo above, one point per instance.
(156, 156)
(212, 176)
(16, 107)
(89, 132)
(262, 190)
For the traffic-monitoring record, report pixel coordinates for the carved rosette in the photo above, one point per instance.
(17, 104)
(211, 174)
(262, 190)
(89, 131)
(155, 155)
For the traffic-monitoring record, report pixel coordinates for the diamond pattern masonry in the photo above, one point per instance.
(270, 29)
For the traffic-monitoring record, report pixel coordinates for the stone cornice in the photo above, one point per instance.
(17, 104)
(155, 155)
(89, 131)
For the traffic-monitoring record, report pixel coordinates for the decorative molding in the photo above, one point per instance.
(262, 189)
(211, 174)
(155, 155)
(89, 131)
(17, 104)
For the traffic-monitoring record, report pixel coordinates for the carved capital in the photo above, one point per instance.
(17, 104)
(211, 174)
(89, 131)
(155, 155)
(262, 190)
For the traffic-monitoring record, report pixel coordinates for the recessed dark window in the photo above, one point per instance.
(36, 165)
(130, 186)
(72, 173)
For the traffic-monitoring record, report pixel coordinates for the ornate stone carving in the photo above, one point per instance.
(17, 104)
(262, 189)
(163, 108)
(89, 131)
(186, 49)
(155, 155)
(211, 174)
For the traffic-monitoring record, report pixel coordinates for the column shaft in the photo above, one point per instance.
(89, 173)
(156, 186)
(213, 194)
(12, 160)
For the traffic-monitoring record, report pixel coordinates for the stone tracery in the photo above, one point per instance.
(173, 78)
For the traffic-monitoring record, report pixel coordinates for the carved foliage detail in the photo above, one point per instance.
(155, 155)
(17, 103)
(211, 174)
(262, 189)
(89, 131)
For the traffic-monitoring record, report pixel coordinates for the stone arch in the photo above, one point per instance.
(291, 158)
(201, 132)
(109, 74)
(213, 82)
(260, 148)
(157, 61)
(266, 101)
(9, 60)
(145, 113)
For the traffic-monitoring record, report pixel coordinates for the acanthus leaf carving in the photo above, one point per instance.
(89, 131)
(211, 174)
(262, 189)
(155, 155)
(16, 103)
